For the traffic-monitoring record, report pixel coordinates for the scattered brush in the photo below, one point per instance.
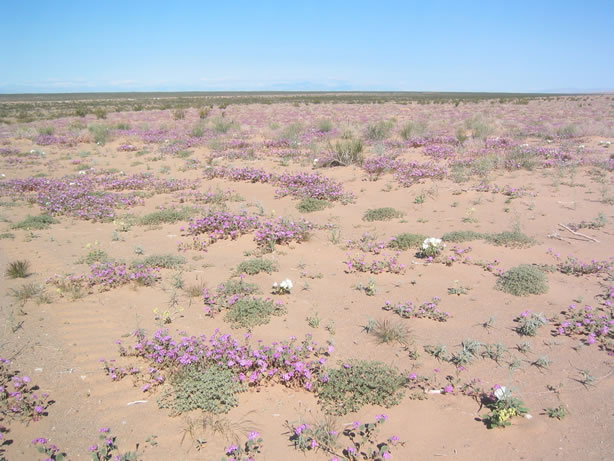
(386, 331)
(382, 214)
(36, 222)
(18, 269)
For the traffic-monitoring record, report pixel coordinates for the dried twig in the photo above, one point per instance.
(592, 239)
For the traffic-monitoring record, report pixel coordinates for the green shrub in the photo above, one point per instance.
(213, 390)
(96, 256)
(379, 131)
(251, 311)
(387, 331)
(382, 214)
(7, 235)
(237, 287)
(18, 269)
(257, 265)
(521, 158)
(310, 204)
(462, 236)
(480, 129)
(100, 133)
(413, 129)
(164, 261)
(510, 239)
(292, 132)
(36, 222)
(168, 216)
(523, 280)
(513, 239)
(198, 130)
(324, 125)
(46, 130)
(345, 152)
(100, 113)
(406, 241)
(26, 292)
(358, 383)
(81, 111)
(221, 125)
(178, 114)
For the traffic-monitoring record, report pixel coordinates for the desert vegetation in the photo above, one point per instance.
(322, 276)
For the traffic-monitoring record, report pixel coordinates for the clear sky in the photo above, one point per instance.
(516, 46)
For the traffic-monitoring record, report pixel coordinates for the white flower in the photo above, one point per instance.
(286, 285)
(501, 393)
(432, 242)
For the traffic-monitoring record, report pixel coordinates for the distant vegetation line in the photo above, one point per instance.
(46, 106)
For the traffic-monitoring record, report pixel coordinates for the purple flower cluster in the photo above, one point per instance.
(427, 310)
(299, 185)
(50, 139)
(509, 191)
(84, 196)
(248, 451)
(594, 325)
(7, 151)
(288, 362)
(127, 148)
(221, 224)
(574, 266)
(312, 185)
(51, 451)
(368, 244)
(416, 141)
(281, 231)
(110, 275)
(377, 266)
(376, 166)
(408, 173)
(227, 294)
(246, 174)
(439, 151)
(19, 397)
(106, 276)
(361, 438)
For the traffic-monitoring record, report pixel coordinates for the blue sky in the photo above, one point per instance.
(311, 45)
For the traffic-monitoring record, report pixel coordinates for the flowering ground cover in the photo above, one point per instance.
(309, 281)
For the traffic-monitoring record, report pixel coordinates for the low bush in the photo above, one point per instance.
(357, 383)
(212, 390)
(249, 312)
(36, 222)
(310, 204)
(168, 216)
(164, 261)
(257, 265)
(523, 280)
(382, 214)
(406, 241)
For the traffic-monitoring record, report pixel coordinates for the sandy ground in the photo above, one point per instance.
(60, 344)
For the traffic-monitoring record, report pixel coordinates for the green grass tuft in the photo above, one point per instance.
(18, 269)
